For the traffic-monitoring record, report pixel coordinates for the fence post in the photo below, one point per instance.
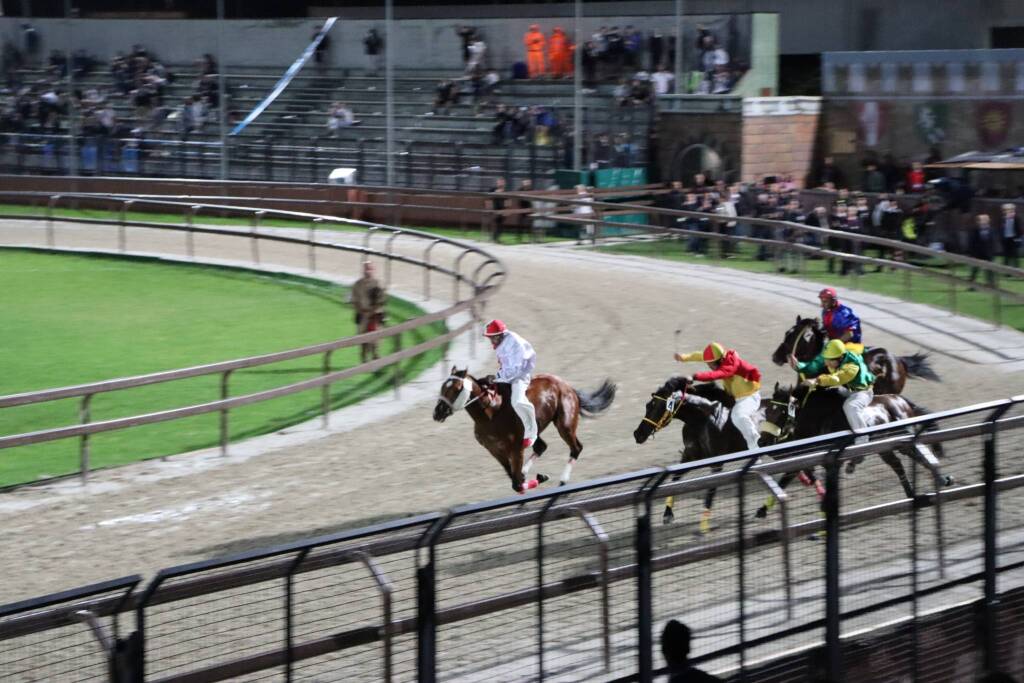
(51, 237)
(257, 217)
(991, 601)
(190, 235)
(289, 599)
(83, 449)
(833, 646)
(312, 243)
(224, 393)
(122, 231)
(644, 571)
(426, 603)
(397, 379)
(997, 300)
(325, 390)
(426, 269)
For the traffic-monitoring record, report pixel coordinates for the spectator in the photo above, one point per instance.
(535, 43)
(1011, 233)
(497, 205)
(503, 121)
(524, 220)
(588, 61)
(603, 151)
(874, 180)
(373, 45)
(477, 55)
(980, 245)
(639, 91)
(340, 116)
(855, 226)
(369, 299)
(915, 177)
(633, 44)
(675, 647)
(584, 210)
(663, 80)
(656, 49)
(624, 151)
(447, 95)
(560, 50)
(207, 65)
(322, 50)
(829, 173)
(467, 34)
(727, 207)
(32, 42)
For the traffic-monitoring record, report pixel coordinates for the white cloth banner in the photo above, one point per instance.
(287, 78)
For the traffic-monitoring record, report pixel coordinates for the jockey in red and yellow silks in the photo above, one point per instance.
(741, 380)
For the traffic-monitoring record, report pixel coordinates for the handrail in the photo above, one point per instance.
(482, 289)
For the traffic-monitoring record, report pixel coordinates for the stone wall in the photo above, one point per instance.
(779, 135)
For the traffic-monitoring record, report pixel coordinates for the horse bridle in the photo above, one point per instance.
(772, 428)
(463, 400)
(673, 402)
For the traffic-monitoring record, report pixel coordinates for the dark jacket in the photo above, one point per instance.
(980, 245)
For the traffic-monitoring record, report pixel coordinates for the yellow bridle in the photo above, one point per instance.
(670, 411)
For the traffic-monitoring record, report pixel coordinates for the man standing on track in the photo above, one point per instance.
(369, 299)
(741, 380)
(516, 360)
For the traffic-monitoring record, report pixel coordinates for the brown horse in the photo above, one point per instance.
(807, 338)
(498, 429)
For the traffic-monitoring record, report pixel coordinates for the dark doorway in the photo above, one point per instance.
(1007, 36)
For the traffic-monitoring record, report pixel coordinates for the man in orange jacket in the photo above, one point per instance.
(534, 41)
(560, 51)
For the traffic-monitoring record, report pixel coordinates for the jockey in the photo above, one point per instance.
(840, 321)
(516, 360)
(740, 379)
(837, 366)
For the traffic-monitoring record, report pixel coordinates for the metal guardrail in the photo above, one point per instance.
(426, 597)
(486, 276)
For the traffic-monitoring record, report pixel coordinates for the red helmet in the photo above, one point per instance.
(494, 328)
(829, 292)
(713, 352)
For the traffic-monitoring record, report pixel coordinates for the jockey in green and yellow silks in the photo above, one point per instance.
(837, 366)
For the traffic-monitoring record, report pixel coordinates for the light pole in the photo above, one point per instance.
(389, 76)
(577, 100)
(679, 46)
(222, 98)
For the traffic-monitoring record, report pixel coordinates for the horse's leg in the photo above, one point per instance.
(668, 515)
(770, 502)
(893, 461)
(709, 501)
(566, 424)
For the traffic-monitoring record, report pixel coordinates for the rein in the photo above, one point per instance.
(672, 405)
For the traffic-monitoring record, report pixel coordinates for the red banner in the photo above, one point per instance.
(993, 120)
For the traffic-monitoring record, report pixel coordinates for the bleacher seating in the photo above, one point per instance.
(290, 140)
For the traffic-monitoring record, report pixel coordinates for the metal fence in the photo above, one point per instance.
(473, 281)
(575, 583)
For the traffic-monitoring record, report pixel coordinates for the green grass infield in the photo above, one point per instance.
(72, 319)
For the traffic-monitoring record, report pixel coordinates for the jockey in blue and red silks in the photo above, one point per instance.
(840, 321)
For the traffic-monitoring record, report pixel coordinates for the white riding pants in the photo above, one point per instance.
(524, 409)
(854, 406)
(743, 417)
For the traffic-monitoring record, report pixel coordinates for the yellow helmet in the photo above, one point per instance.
(835, 349)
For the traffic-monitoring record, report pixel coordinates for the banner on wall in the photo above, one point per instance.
(930, 122)
(992, 121)
(872, 121)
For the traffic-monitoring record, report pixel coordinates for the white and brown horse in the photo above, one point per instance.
(498, 429)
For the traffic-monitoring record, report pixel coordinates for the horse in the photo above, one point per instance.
(802, 412)
(498, 429)
(808, 337)
(707, 430)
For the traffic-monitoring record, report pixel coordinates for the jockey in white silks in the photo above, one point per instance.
(516, 360)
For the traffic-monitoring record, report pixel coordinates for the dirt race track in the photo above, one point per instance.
(589, 315)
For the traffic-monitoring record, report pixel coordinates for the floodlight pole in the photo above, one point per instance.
(389, 75)
(222, 99)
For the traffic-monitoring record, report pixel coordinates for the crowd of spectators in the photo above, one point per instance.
(777, 198)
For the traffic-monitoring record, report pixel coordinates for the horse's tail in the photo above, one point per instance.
(595, 402)
(919, 365)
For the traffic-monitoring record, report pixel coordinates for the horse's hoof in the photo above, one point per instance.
(562, 483)
(762, 512)
(850, 467)
(948, 480)
(667, 516)
(541, 478)
(705, 525)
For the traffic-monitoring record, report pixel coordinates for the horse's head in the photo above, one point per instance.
(662, 408)
(455, 393)
(779, 415)
(804, 340)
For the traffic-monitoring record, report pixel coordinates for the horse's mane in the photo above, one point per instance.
(708, 390)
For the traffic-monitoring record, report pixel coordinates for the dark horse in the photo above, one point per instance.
(498, 429)
(707, 430)
(807, 338)
(803, 412)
